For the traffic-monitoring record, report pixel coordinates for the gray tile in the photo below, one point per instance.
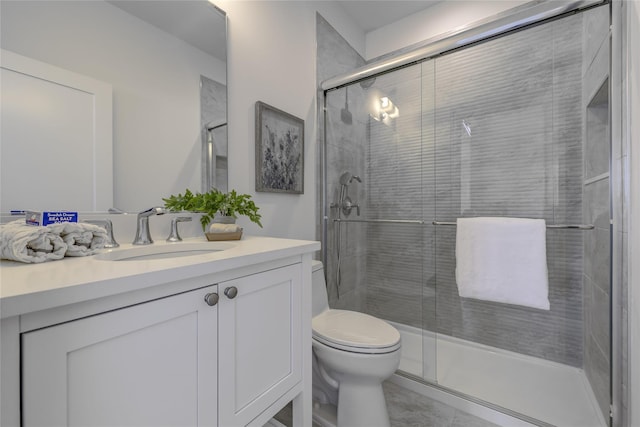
(285, 416)
(597, 257)
(410, 409)
(597, 140)
(462, 419)
(600, 322)
(596, 204)
(596, 31)
(407, 408)
(334, 54)
(597, 371)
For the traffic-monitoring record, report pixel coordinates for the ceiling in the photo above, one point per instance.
(199, 24)
(370, 15)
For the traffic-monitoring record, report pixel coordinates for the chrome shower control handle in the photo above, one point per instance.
(348, 206)
(231, 292)
(211, 299)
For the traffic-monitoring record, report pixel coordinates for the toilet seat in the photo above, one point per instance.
(355, 332)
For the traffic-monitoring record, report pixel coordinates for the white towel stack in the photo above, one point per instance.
(503, 260)
(35, 244)
(82, 239)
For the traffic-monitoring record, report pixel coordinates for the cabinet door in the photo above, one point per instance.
(153, 364)
(259, 342)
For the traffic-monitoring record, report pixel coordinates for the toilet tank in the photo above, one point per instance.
(320, 301)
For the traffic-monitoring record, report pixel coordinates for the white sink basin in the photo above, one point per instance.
(153, 252)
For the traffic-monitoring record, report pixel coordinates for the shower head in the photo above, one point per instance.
(347, 178)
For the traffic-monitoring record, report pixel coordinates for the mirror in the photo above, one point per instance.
(165, 62)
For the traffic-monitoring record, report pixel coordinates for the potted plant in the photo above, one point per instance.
(215, 204)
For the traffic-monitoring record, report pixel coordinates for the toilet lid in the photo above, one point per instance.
(355, 331)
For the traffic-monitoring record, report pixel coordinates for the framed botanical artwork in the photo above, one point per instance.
(279, 151)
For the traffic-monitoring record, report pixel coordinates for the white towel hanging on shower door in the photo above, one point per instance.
(503, 260)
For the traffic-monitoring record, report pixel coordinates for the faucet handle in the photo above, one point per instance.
(173, 235)
(107, 225)
(156, 210)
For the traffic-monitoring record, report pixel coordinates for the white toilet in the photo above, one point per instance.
(353, 353)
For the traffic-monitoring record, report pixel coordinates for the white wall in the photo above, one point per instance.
(271, 58)
(437, 19)
(633, 25)
(155, 79)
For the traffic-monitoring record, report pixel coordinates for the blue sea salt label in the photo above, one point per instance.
(46, 218)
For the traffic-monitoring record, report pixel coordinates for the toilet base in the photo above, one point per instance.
(353, 397)
(326, 414)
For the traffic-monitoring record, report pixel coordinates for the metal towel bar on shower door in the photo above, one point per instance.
(420, 222)
(389, 221)
(573, 226)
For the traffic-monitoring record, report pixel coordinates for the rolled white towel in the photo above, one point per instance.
(82, 239)
(30, 244)
(224, 228)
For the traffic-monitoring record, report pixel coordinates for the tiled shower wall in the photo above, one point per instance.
(346, 144)
(597, 247)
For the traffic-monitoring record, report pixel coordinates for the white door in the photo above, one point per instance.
(259, 342)
(153, 364)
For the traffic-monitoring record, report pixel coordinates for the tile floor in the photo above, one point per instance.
(409, 409)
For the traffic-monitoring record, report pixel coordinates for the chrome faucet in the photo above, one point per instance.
(143, 236)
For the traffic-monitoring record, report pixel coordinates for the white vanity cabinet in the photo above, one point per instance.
(151, 364)
(217, 350)
(260, 339)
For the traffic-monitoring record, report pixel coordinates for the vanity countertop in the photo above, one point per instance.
(26, 288)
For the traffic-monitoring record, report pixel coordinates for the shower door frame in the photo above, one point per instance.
(520, 17)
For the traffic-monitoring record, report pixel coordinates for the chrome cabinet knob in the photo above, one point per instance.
(231, 292)
(211, 299)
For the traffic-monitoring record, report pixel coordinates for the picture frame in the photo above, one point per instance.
(279, 151)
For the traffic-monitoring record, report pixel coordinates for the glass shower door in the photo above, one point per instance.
(376, 236)
(509, 143)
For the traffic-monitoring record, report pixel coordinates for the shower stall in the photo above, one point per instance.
(506, 123)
